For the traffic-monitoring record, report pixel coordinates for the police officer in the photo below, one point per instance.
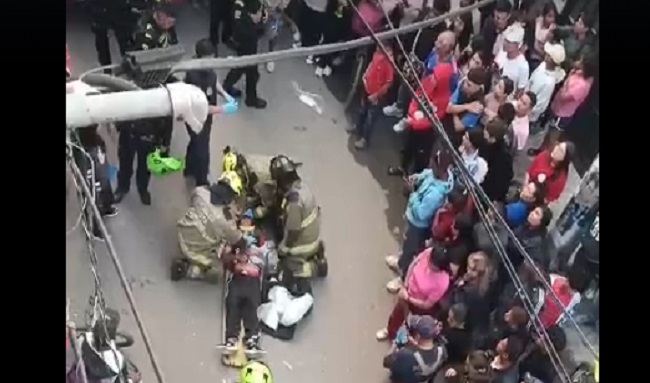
(139, 138)
(197, 159)
(247, 27)
(300, 245)
(116, 15)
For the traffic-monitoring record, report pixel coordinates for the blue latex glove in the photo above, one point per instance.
(229, 98)
(230, 107)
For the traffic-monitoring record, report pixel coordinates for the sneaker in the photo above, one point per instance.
(253, 343)
(112, 212)
(327, 71)
(310, 60)
(382, 334)
(400, 126)
(393, 111)
(394, 285)
(360, 144)
(270, 66)
(229, 345)
(319, 72)
(392, 262)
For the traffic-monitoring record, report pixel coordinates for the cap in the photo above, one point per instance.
(424, 326)
(204, 48)
(514, 33)
(556, 51)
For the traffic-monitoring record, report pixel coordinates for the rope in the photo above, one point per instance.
(261, 58)
(472, 187)
(120, 272)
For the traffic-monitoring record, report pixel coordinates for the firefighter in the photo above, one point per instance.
(139, 138)
(247, 27)
(116, 15)
(300, 249)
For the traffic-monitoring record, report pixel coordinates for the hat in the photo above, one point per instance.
(556, 51)
(514, 34)
(424, 326)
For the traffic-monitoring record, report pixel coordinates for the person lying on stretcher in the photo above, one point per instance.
(243, 295)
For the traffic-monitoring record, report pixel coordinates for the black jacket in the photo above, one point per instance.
(532, 240)
(500, 173)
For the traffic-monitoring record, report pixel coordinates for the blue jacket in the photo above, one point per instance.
(429, 196)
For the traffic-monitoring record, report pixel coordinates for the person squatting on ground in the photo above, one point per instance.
(139, 138)
(211, 220)
(243, 296)
(300, 245)
(376, 82)
(277, 17)
(92, 143)
(247, 27)
(197, 157)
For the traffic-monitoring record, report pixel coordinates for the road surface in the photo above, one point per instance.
(337, 343)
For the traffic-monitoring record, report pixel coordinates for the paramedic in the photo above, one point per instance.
(210, 221)
(197, 159)
(300, 245)
(142, 137)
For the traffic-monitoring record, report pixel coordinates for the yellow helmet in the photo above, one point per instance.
(231, 178)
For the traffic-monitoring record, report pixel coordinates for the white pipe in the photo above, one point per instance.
(182, 101)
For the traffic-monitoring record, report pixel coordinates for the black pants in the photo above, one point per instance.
(334, 30)
(244, 296)
(221, 15)
(102, 44)
(252, 77)
(418, 145)
(311, 24)
(129, 146)
(197, 158)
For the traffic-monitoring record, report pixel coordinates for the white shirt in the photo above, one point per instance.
(542, 83)
(476, 165)
(516, 69)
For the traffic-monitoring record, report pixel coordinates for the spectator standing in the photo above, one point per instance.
(311, 22)
(578, 40)
(532, 195)
(499, 161)
(537, 363)
(482, 238)
(544, 27)
(505, 365)
(497, 97)
(495, 25)
(466, 105)
(459, 339)
(543, 80)
(521, 123)
(336, 28)
(553, 165)
(469, 151)
(531, 236)
(510, 61)
(568, 99)
(376, 82)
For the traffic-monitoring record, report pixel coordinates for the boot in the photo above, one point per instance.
(256, 103)
(145, 198)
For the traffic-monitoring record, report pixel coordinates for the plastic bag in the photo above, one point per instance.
(280, 297)
(268, 314)
(296, 310)
(312, 100)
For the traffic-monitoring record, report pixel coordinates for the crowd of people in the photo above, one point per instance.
(521, 74)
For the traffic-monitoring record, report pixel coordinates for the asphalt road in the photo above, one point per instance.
(362, 215)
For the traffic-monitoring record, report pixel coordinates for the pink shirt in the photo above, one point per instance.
(423, 283)
(572, 94)
(521, 129)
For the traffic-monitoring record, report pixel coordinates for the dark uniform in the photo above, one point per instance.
(143, 136)
(221, 12)
(117, 15)
(245, 35)
(197, 158)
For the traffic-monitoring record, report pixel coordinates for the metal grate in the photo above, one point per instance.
(151, 68)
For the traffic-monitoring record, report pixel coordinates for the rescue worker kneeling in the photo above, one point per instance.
(243, 296)
(209, 223)
(301, 251)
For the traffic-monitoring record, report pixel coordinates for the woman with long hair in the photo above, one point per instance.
(496, 98)
(553, 164)
(543, 33)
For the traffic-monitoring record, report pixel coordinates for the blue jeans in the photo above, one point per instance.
(413, 244)
(366, 120)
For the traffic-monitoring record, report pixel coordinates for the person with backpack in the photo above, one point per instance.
(421, 358)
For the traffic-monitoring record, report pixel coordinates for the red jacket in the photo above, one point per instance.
(443, 228)
(438, 87)
(555, 178)
(379, 74)
(551, 311)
